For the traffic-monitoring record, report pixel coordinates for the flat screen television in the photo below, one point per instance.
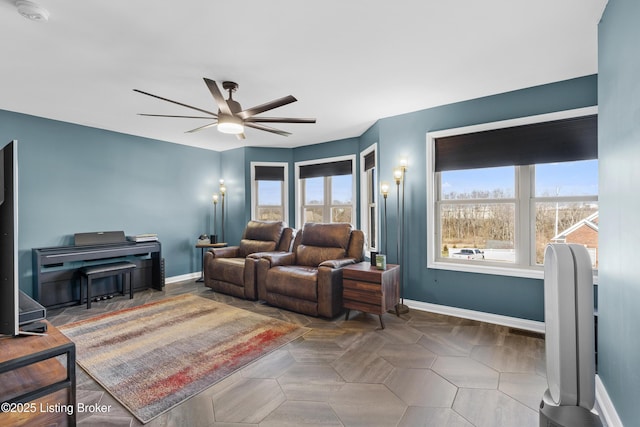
(16, 308)
(9, 288)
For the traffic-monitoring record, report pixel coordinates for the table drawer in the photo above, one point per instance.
(368, 297)
(362, 286)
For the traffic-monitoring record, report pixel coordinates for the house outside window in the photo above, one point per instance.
(325, 190)
(498, 198)
(369, 197)
(269, 195)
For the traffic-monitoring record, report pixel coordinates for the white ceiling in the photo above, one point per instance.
(348, 62)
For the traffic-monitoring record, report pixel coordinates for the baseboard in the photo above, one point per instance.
(513, 322)
(182, 277)
(604, 406)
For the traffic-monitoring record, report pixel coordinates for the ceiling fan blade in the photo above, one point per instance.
(222, 103)
(279, 120)
(167, 115)
(267, 129)
(240, 136)
(265, 107)
(202, 127)
(175, 102)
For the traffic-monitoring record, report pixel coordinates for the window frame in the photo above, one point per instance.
(365, 206)
(285, 188)
(300, 195)
(525, 203)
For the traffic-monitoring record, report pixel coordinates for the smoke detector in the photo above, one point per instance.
(32, 11)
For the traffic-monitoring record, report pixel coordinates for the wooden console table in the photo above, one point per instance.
(365, 288)
(35, 388)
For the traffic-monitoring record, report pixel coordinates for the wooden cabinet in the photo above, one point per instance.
(365, 288)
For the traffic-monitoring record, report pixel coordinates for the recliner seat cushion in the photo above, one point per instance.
(229, 270)
(294, 281)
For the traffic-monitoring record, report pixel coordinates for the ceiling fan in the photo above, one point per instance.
(231, 118)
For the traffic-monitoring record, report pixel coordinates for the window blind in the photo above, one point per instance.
(555, 141)
(326, 169)
(269, 173)
(370, 160)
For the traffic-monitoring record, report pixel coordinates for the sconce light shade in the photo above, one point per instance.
(397, 175)
(403, 163)
(384, 189)
(215, 199)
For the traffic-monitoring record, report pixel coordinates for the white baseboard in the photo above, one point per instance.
(605, 407)
(182, 277)
(497, 319)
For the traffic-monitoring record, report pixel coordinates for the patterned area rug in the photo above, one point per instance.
(153, 357)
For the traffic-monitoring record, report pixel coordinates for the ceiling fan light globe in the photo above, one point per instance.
(230, 124)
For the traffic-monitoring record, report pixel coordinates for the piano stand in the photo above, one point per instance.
(57, 271)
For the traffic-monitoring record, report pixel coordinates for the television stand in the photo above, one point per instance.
(33, 328)
(34, 378)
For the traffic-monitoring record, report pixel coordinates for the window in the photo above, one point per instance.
(565, 203)
(269, 201)
(325, 190)
(477, 210)
(501, 192)
(369, 197)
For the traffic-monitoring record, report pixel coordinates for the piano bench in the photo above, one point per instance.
(122, 269)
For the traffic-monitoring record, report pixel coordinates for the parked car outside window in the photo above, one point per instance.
(468, 253)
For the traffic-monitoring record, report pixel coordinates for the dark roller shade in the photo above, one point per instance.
(370, 161)
(269, 173)
(556, 141)
(326, 169)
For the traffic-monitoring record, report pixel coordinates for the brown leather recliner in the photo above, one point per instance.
(228, 270)
(309, 279)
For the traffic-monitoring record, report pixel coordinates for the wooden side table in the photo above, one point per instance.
(36, 389)
(365, 288)
(202, 247)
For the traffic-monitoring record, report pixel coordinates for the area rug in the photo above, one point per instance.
(155, 356)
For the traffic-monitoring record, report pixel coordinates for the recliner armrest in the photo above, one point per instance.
(337, 263)
(228, 252)
(276, 258)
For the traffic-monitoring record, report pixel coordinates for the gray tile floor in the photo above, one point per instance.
(422, 370)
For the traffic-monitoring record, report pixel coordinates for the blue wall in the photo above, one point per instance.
(89, 179)
(405, 136)
(78, 179)
(619, 170)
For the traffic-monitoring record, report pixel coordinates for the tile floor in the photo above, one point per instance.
(422, 370)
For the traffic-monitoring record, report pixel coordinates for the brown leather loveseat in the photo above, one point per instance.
(228, 270)
(308, 280)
